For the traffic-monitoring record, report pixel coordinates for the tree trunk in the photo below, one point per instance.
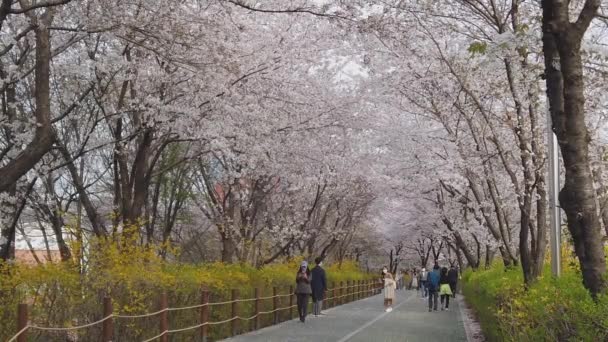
(524, 234)
(506, 253)
(471, 260)
(565, 91)
(228, 249)
(602, 195)
(7, 248)
(83, 197)
(538, 255)
(460, 244)
(43, 135)
(477, 249)
(489, 256)
(461, 264)
(7, 231)
(506, 259)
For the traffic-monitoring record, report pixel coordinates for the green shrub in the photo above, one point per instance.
(550, 310)
(60, 296)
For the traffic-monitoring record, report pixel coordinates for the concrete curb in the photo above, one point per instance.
(468, 322)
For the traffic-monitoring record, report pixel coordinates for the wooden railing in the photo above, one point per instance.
(338, 295)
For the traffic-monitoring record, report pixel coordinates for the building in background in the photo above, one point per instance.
(35, 244)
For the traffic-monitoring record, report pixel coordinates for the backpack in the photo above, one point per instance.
(433, 281)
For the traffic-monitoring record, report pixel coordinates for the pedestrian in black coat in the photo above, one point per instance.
(453, 279)
(319, 286)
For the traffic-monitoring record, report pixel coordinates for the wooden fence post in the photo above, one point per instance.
(235, 311)
(362, 294)
(22, 322)
(341, 299)
(204, 314)
(256, 320)
(108, 324)
(164, 317)
(275, 304)
(333, 294)
(362, 290)
(291, 295)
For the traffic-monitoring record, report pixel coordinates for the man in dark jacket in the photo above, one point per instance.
(319, 286)
(453, 279)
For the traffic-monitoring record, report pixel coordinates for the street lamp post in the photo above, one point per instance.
(556, 221)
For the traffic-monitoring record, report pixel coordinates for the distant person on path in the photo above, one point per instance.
(399, 279)
(445, 290)
(407, 280)
(389, 290)
(319, 286)
(423, 278)
(432, 286)
(414, 284)
(453, 279)
(303, 289)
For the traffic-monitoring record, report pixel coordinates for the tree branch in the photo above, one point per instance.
(297, 10)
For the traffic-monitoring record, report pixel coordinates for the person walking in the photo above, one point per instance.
(303, 289)
(319, 286)
(445, 290)
(432, 286)
(389, 290)
(407, 280)
(453, 279)
(423, 278)
(414, 284)
(399, 279)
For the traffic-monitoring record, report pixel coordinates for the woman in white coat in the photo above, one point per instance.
(389, 290)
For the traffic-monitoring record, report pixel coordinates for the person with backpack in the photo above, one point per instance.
(319, 286)
(432, 286)
(423, 278)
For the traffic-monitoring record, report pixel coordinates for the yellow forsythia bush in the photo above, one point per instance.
(549, 310)
(63, 295)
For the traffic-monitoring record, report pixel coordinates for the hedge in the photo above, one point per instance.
(60, 295)
(549, 310)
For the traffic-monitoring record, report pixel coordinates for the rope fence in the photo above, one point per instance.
(339, 295)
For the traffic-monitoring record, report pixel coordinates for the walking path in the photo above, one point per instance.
(365, 320)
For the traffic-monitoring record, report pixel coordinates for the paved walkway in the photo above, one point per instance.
(365, 321)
